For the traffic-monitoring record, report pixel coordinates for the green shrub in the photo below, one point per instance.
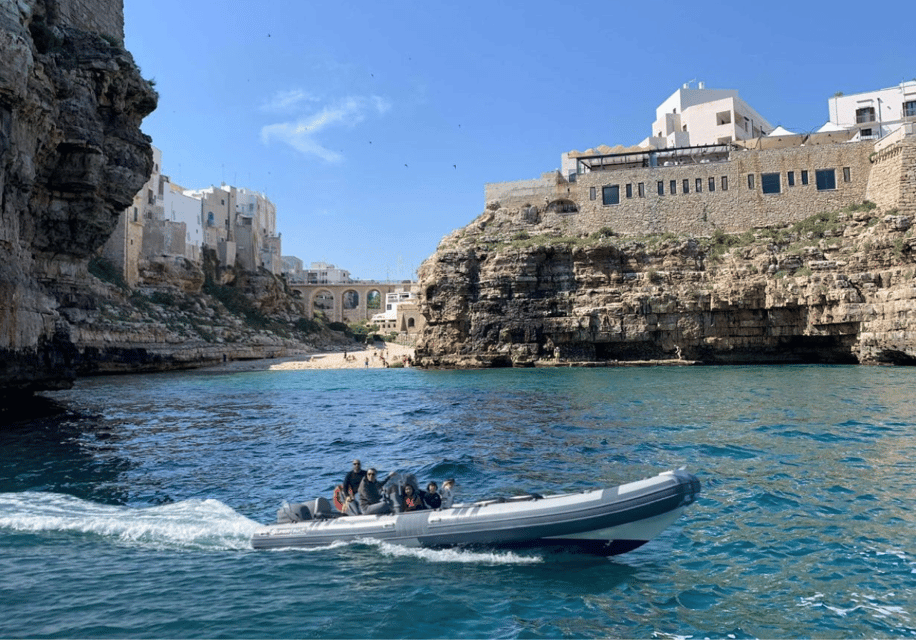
(105, 270)
(603, 232)
(340, 326)
(307, 325)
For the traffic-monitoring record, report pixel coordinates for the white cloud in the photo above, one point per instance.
(301, 134)
(286, 100)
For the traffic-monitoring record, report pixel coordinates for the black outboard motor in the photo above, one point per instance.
(302, 511)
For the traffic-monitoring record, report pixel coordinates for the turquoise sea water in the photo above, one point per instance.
(130, 515)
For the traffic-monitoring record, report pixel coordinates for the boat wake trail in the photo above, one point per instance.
(464, 556)
(189, 524)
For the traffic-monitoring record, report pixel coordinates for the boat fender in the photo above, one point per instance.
(340, 499)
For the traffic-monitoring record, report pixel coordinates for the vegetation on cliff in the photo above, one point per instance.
(191, 320)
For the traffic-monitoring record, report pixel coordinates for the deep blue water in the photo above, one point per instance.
(130, 515)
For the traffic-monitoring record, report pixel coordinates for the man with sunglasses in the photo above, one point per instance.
(353, 479)
(370, 494)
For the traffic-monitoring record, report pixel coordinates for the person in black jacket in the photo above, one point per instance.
(354, 477)
(413, 500)
(432, 498)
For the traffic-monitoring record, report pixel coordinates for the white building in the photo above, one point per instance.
(256, 231)
(324, 273)
(701, 116)
(393, 300)
(874, 114)
(690, 118)
(181, 208)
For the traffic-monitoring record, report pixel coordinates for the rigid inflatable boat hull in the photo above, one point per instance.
(605, 521)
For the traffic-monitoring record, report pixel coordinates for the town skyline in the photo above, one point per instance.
(374, 129)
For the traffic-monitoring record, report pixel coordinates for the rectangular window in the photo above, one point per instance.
(661, 188)
(592, 193)
(865, 114)
(672, 187)
(686, 185)
(769, 183)
(712, 184)
(750, 181)
(909, 109)
(825, 179)
(724, 183)
(610, 194)
(790, 178)
(699, 188)
(846, 175)
(642, 190)
(629, 190)
(804, 177)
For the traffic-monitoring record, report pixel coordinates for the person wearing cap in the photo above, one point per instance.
(353, 479)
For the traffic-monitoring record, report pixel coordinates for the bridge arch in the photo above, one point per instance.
(322, 301)
(347, 302)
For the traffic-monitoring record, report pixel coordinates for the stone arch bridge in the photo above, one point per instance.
(347, 302)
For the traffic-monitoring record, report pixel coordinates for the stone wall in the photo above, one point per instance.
(525, 189)
(701, 198)
(893, 178)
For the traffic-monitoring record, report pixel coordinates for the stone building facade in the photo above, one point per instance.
(892, 184)
(697, 191)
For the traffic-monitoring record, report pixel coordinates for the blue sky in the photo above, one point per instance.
(373, 126)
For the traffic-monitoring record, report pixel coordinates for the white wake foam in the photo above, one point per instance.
(190, 524)
(455, 554)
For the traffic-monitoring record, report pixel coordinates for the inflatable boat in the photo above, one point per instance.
(606, 521)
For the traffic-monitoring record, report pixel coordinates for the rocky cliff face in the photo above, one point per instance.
(186, 317)
(72, 156)
(836, 288)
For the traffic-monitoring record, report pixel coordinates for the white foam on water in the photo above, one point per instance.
(453, 554)
(860, 602)
(190, 524)
(423, 553)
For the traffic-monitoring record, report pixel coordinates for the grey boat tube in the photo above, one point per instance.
(605, 521)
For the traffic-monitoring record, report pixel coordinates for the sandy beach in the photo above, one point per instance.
(372, 358)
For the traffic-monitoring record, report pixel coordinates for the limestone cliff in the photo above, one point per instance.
(72, 156)
(835, 288)
(184, 317)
